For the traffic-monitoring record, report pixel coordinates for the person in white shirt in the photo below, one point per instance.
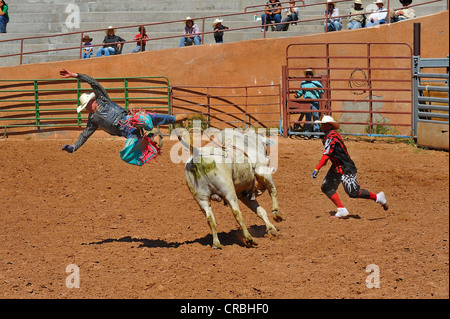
(404, 13)
(333, 20)
(377, 17)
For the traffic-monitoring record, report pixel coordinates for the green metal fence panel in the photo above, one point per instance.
(51, 103)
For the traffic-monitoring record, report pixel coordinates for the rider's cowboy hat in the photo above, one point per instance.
(85, 98)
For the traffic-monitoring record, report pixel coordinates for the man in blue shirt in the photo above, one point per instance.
(311, 89)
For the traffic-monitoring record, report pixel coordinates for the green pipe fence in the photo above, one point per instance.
(41, 103)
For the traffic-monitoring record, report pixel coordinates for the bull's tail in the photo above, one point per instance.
(192, 149)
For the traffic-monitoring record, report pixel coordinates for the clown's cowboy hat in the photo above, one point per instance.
(330, 120)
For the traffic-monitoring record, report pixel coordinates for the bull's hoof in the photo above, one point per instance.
(219, 246)
(277, 216)
(249, 243)
(273, 233)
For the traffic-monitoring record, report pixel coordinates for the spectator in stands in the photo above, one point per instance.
(88, 49)
(191, 33)
(404, 13)
(311, 89)
(377, 17)
(272, 13)
(291, 15)
(357, 20)
(110, 43)
(333, 20)
(4, 17)
(218, 30)
(142, 38)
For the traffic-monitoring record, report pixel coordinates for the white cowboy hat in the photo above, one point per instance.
(357, 2)
(217, 21)
(330, 120)
(85, 98)
(188, 19)
(309, 70)
(110, 28)
(379, 1)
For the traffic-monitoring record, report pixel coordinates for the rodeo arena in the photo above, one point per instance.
(224, 158)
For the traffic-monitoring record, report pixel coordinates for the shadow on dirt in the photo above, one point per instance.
(232, 237)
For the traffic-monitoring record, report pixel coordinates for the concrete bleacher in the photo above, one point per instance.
(29, 18)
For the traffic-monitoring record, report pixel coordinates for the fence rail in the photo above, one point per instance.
(239, 106)
(50, 104)
(366, 87)
(43, 104)
(431, 91)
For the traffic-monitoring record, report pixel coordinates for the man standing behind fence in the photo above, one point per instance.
(311, 89)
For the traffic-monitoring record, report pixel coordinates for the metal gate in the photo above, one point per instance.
(430, 91)
(368, 87)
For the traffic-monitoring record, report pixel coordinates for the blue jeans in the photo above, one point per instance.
(333, 26)
(354, 25)
(138, 49)
(197, 40)
(3, 22)
(374, 23)
(315, 116)
(157, 119)
(270, 18)
(86, 55)
(284, 27)
(105, 52)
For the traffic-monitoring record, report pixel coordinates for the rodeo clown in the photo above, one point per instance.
(342, 170)
(115, 120)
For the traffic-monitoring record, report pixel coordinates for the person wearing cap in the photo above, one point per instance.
(342, 170)
(404, 13)
(291, 15)
(357, 18)
(111, 43)
(218, 28)
(333, 20)
(191, 33)
(108, 116)
(272, 12)
(88, 49)
(312, 90)
(377, 17)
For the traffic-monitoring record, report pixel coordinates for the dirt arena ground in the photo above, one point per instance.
(137, 232)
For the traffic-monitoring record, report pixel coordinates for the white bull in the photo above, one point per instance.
(236, 170)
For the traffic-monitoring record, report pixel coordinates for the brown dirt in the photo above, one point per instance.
(137, 232)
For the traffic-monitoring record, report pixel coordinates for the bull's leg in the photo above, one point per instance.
(248, 239)
(261, 213)
(267, 181)
(206, 208)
